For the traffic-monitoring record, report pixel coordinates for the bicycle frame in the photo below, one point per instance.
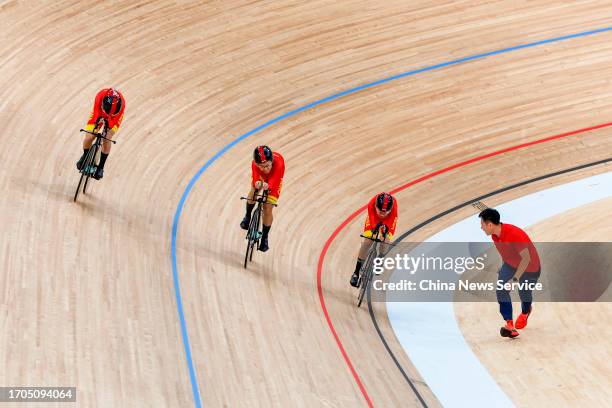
(365, 275)
(92, 158)
(253, 233)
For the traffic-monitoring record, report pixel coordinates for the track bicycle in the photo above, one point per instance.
(254, 232)
(90, 164)
(367, 268)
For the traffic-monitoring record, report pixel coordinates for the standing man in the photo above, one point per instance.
(520, 261)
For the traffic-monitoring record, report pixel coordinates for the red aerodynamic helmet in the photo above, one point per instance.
(112, 102)
(262, 154)
(384, 202)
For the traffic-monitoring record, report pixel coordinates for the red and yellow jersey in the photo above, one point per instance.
(274, 178)
(114, 121)
(372, 219)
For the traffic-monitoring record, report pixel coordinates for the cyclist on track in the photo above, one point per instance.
(382, 212)
(109, 104)
(268, 170)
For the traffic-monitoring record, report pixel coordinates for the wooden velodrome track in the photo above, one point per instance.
(87, 294)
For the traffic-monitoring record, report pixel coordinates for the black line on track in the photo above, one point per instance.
(397, 363)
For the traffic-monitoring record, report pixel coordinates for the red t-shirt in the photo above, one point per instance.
(510, 242)
(274, 178)
(372, 220)
(114, 121)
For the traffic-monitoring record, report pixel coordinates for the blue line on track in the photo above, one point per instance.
(194, 179)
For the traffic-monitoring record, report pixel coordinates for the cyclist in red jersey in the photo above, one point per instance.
(267, 171)
(382, 212)
(109, 104)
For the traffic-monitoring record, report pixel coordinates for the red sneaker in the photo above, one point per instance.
(508, 330)
(521, 321)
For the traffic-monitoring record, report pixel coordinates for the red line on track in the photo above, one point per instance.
(403, 187)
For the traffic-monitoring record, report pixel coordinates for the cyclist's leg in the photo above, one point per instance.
(89, 138)
(87, 142)
(385, 247)
(268, 218)
(251, 194)
(361, 256)
(106, 147)
(366, 244)
(250, 204)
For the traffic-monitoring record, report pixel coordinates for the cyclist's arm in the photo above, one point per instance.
(117, 123)
(371, 232)
(94, 123)
(111, 133)
(391, 225)
(387, 236)
(256, 182)
(275, 179)
(381, 229)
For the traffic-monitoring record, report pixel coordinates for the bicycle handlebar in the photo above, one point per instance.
(98, 135)
(259, 199)
(373, 239)
(376, 234)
